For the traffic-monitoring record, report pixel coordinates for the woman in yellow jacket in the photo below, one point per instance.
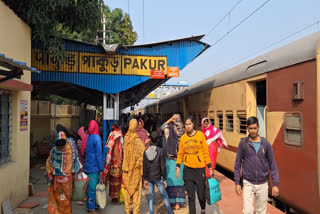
(193, 152)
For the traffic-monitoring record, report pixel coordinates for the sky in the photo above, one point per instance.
(172, 19)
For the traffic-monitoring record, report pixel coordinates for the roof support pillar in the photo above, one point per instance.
(111, 111)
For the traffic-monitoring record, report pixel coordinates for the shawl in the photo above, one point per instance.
(116, 134)
(172, 141)
(143, 134)
(213, 134)
(173, 133)
(179, 127)
(59, 163)
(82, 142)
(61, 128)
(76, 165)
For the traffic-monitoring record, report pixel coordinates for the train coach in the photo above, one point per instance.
(282, 89)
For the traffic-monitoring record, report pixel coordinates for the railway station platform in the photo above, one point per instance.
(230, 203)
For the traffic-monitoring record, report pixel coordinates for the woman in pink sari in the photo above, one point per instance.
(143, 134)
(215, 141)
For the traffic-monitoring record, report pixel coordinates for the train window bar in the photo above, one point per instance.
(220, 120)
(242, 122)
(199, 119)
(229, 121)
(211, 117)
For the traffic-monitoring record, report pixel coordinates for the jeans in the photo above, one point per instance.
(164, 195)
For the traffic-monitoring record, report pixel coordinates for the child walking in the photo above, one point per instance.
(154, 172)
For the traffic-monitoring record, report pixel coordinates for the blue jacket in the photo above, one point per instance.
(256, 166)
(93, 155)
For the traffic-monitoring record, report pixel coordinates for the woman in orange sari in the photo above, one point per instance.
(59, 171)
(132, 168)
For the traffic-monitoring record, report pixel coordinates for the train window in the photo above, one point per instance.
(212, 121)
(298, 91)
(293, 132)
(220, 120)
(229, 121)
(242, 122)
(211, 117)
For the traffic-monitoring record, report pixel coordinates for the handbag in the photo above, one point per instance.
(213, 192)
(80, 183)
(101, 195)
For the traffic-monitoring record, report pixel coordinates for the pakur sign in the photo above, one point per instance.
(79, 62)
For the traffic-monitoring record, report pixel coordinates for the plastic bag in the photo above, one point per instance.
(121, 196)
(80, 183)
(101, 195)
(213, 192)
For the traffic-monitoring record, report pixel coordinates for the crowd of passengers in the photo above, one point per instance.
(142, 151)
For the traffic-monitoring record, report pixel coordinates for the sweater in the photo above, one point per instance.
(193, 151)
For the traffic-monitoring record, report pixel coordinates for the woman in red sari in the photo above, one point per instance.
(215, 141)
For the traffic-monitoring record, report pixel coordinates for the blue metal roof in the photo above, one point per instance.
(177, 53)
(105, 83)
(16, 63)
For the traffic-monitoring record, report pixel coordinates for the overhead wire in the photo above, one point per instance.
(242, 21)
(272, 44)
(226, 15)
(251, 14)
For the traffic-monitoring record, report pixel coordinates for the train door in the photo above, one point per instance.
(261, 97)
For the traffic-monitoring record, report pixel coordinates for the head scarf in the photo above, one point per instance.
(213, 134)
(61, 128)
(178, 127)
(60, 136)
(83, 137)
(93, 127)
(143, 134)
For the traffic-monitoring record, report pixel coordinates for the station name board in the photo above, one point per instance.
(78, 62)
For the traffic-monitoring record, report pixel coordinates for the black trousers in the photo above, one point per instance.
(195, 178)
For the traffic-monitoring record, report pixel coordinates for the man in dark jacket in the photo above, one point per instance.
(255, 155)
(154, 172)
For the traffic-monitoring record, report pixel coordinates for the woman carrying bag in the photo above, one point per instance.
(193, 153)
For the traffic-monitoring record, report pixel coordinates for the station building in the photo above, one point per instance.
(15, 93)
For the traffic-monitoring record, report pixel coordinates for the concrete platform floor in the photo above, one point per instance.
(40, 185)
(230, 203)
